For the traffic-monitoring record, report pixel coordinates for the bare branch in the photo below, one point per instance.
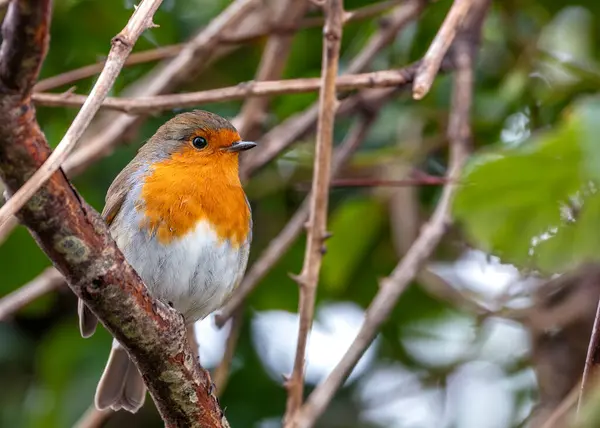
(317, 223)
(282, 242)
(93, 418)
(562, 409)
(442, 41)
(393, 286)
(592, 360)
(391, 25)
(77, 240)
(47, 281)
(122, 45)
(72, 76)
(144, 105)
(221, 373)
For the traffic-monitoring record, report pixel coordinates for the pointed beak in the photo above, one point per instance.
(240, 146)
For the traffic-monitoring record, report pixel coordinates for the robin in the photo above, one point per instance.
(180, 216)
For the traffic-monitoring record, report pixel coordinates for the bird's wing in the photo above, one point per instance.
(115, 196)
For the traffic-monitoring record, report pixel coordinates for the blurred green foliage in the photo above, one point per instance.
(538, 217)
(536, 153)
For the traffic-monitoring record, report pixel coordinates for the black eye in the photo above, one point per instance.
(199, 142)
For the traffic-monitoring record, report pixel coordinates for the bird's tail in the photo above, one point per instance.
(121, 385)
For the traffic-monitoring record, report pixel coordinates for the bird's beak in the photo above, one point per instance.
(240, 146)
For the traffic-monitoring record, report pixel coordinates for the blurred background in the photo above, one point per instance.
(494, 330)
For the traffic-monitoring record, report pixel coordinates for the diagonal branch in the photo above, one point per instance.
(440, 45)
(74, 236)
(47, 281)
(592, 360)
(459, 135)
(122, 44)
(317, 223)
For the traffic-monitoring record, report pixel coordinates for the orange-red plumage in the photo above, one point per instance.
(192, 186)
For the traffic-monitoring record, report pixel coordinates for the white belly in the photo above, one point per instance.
(195, 273)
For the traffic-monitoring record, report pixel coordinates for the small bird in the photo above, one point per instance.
(180, 216)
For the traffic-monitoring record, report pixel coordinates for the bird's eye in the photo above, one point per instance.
(199, 142)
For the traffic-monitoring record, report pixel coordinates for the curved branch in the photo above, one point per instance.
(74, 236)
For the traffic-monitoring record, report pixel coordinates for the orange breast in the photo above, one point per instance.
(186, 189)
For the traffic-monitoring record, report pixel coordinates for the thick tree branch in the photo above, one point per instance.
(459, 135)
(74, 236)
(317, 223)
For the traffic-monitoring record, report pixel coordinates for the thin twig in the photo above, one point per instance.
(93, 418)
(392, 287)
(288, 235)
(376, 182)
(561, 410)
(317, 223)
(72, 76)
(438, 48)
(592, 360)
(144, 105)
(392, 23)
(122, 45)
(47, 281)
(221, 373)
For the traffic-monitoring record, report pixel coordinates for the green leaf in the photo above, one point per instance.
(537, 205)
